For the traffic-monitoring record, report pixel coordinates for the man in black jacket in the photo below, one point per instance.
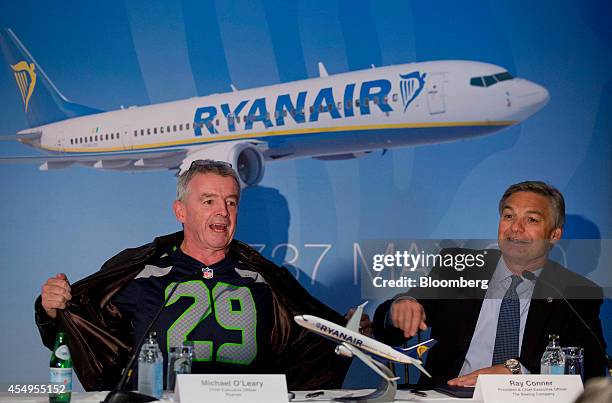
(236, 306)
(503, 329)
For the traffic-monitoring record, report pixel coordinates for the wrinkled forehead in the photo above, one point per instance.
(529, 203)
(214, 184)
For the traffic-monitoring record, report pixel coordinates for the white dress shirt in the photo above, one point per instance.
(480, 352)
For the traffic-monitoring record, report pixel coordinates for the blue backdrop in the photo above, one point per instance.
(306, 213)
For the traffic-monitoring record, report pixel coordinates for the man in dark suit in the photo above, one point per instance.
(505, 328)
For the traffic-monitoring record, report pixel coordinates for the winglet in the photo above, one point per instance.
(353, 323)
(322, 70)
(234, 89)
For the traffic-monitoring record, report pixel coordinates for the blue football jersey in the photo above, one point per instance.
(224, 309)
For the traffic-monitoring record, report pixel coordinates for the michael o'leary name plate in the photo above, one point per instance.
(527, 388)
(231, 388)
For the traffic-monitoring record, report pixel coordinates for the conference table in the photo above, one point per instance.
(300, 396)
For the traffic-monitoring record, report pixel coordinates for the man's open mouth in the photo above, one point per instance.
(518, 242)
(218, 227)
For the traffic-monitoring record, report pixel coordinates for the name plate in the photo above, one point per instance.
(527, 388)
(231, 388)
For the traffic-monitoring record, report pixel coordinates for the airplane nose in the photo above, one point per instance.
(534, 94)
(529, 98)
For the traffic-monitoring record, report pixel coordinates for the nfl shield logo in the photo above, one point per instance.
(207, 273)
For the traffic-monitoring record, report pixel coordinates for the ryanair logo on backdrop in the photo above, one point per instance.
(25, 76)
(411, 86)
(309, 105)
(353, 99)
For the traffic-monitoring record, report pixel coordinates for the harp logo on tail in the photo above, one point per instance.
(422, 350)
(25, 76)
(411, 86)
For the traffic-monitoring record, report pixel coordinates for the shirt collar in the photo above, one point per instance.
(184, 260)
(502, 271)
(500, 281)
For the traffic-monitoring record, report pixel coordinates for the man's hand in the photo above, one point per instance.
(470, 379)
(55, 294)
(365, 324)
(408, 315)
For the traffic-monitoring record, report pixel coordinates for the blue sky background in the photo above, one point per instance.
(108, 54)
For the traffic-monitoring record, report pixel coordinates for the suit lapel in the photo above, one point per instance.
(485, 273)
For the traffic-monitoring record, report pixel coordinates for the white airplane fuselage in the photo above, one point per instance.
(341, 334)
(327, 116)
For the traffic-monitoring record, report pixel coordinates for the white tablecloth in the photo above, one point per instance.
(91, 397)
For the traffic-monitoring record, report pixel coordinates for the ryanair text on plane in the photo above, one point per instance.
(339, 335)
(371, 92)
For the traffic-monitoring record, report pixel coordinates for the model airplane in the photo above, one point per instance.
(329, 117)
(353, 343)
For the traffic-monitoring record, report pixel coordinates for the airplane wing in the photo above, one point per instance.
(369, 361)
(353, 323)
(421, 368)
(31, 136)
(341, 157)
(248, 158)
(111, 160)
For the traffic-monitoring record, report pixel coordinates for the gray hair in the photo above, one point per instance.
(544, 189)
(207, 166)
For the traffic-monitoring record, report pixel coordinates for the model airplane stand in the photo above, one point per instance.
(384, 393)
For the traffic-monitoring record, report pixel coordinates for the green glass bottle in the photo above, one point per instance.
(60, 371)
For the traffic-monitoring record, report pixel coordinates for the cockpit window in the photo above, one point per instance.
(487, 81)
(503, 76)
(476, 82)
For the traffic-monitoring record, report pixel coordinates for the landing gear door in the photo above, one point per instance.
(435, 93)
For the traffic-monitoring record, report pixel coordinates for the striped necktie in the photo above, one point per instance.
(508, 323)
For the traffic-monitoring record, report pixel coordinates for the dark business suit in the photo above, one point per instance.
(452, 315)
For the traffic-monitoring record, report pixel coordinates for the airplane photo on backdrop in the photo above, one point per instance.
(353, 344)
(330, 117)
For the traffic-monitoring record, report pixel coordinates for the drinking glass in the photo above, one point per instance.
(574, 361)
(179, 362)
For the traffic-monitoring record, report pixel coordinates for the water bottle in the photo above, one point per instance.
(553, 359)
(60, 371)
(151, 368)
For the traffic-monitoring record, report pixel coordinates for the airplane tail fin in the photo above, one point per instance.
(42, 101)
(419, 349)
(353, 323)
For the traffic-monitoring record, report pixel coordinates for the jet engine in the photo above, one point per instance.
(343, 351)
(246, 159)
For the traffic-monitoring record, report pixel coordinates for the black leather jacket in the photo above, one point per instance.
(100, 339)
